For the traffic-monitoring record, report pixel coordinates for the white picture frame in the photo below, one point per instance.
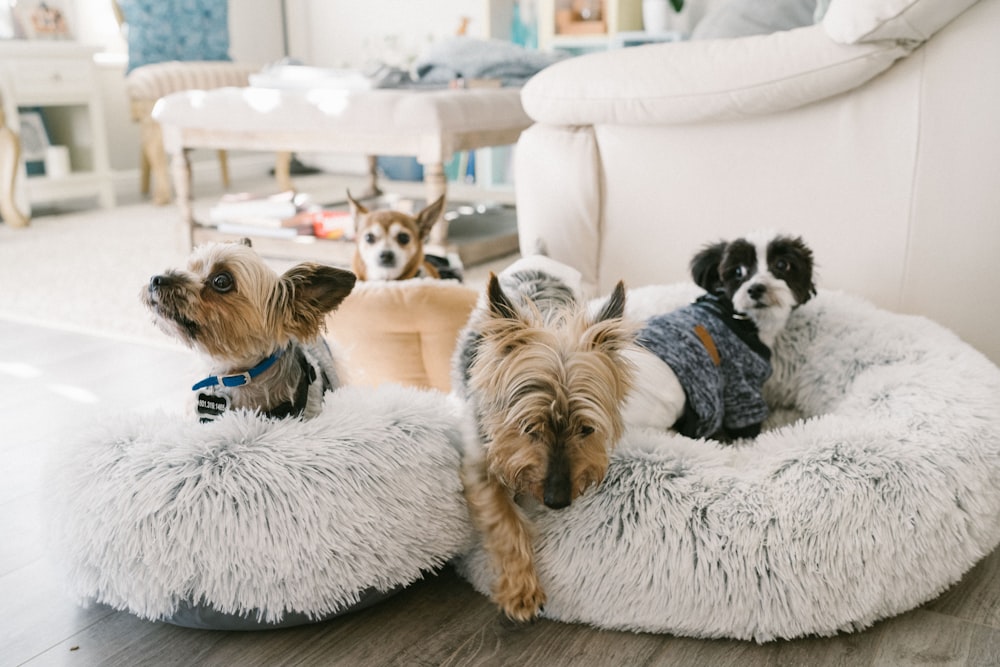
(43, 19)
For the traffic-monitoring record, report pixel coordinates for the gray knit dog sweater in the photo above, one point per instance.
(719, 361)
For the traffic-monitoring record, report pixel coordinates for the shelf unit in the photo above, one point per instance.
(622, 17)
(59, 77)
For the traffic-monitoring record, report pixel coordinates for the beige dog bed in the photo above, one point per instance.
(400, 332)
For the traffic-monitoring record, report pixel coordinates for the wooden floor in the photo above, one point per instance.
(52, 381)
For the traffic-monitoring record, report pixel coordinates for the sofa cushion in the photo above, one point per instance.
(853, 21)
(703, 80)
(739, 18)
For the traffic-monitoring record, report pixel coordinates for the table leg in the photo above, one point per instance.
(10, 157)
(151, 136)
(373, 189)
(435, 185)
(181, 167)
(283, 171)
(224, 168)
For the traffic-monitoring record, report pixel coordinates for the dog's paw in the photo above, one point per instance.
(520, 598)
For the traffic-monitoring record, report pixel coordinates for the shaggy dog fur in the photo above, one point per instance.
(545, 383)
(234, 309)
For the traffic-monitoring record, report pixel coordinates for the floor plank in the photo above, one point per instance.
(37, 614)
(975, 597)
(925, 638)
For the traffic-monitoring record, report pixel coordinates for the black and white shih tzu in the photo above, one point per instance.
(701, 368)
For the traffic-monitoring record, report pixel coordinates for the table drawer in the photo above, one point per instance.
(52, 77)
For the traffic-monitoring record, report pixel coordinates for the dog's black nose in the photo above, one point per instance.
(556, 502)
(558, 490)
(156, 282)
(757, 291)
(386, 258)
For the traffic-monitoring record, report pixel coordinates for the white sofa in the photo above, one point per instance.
(874, 134)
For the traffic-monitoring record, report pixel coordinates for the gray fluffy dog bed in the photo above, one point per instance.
(246, 523)
(875, 487)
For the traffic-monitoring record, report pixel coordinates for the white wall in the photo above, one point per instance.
(255, 31)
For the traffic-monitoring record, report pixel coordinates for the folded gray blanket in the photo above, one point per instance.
(471, 58)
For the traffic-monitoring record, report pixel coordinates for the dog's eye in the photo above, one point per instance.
(402, 238)
(740, 272)
(782, 265)
(369, 238)
(586, 430)
(222, 282)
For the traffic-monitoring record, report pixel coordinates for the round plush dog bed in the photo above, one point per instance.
(401, 331)
(875, 487)
(247, 522)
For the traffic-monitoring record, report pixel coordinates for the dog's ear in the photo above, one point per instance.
(356, 206)
(609, 331)
(357, 211)
(500, 303)
(614, 307)
(428, 216)
(312, 291)
(705, 266)
(804, 262)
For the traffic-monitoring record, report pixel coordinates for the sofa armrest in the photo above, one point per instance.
(683, 82)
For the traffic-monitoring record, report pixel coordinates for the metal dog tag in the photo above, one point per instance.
(210, 406)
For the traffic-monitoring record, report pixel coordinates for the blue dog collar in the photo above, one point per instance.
(239, 379)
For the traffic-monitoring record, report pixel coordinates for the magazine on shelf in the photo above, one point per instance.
(238, 229)
(272, 211)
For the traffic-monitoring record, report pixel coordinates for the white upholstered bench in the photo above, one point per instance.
(429, 125)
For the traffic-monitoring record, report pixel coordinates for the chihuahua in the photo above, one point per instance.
(390, 244)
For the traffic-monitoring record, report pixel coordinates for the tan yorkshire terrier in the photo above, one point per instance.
(260, 331)
(390, 244)
(544, 383)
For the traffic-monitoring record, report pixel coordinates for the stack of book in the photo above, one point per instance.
(284, 215)
(251, 215)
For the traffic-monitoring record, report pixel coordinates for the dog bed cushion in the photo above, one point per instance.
(246, 522)
(875, 487)
(401, 331)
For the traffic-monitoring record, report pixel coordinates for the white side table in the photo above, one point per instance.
(60, 78)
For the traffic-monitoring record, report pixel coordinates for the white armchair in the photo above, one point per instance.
(873, 134)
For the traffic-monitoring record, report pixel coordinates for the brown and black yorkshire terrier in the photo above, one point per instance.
(260, 331)
(544, 383)
(390, 244)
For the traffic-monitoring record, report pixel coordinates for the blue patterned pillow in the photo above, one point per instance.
(163, 30)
